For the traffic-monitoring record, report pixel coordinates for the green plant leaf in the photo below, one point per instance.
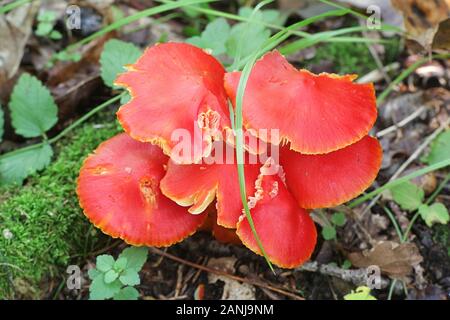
(110, 276)
(2, 123)
(15, 167)
(361, 293)
(100, 290)
(116, 54)
(338, 219)
(33, 109)
(214, 36)
(436, 213)
(46, 16)
(244, 40)
(55, 35)
(439, 149)
(127, 293)
(93, 273)
(328, 232)
(136, 257)
(43, 29)
(408, 195)
(104, 262)
(120, 264)
(130, 277)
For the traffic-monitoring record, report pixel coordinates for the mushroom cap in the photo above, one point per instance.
(286, 231)
(327, 180)
(175, 88)
(118, 189)
(315, 113)
(197, 185)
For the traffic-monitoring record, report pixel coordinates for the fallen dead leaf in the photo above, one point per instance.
(394, 259)
(15, 29)
(423, 19)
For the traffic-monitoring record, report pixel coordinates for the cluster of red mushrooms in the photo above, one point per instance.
(132, 187)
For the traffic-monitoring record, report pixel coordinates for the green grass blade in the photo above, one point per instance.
(393, 183)
(10, 6)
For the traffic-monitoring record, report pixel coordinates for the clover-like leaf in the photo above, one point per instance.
(130, 277)
(93, 273)
(116, 54)
(105, 262)
(338, 219)
(329, 232)
(120, 264)
(110, 276)
(100, 290)
(439, 149)
(136, 257)
(436, 213)
(16, 166)
(127, 293)
(361, 293)
(408, 195)
(33, 109)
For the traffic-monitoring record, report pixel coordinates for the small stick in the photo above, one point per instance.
(225, 274)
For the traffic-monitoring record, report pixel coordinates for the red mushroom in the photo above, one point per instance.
(328, 180)
(287, 232)
(315, 113)
(175, 86)
(118, 189)
(197, 185)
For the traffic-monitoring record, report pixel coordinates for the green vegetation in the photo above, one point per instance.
(42, 225)
(352, 57)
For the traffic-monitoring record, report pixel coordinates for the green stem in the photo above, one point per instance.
(417, 173)
(10, 6)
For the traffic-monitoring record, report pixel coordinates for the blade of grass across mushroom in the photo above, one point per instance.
(131, 18)
(273, 41)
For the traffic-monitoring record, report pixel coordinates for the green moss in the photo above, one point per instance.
(349, 57)
(44, 218)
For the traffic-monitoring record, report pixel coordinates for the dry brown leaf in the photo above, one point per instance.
(423, 19)
(394, 259)
(15, 29)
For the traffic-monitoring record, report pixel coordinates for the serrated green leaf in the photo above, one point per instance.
(116, 54)
(338, 219)
(110, 276)
(2, 123)
(136, 257)
(127, 293)
(130, 277)
(408, 195)
(214, 37)
(16, 167)
(100, 290)
(245, 40)
(328, 232)
(33, 109)
(436, 213)
(93, 273)
(439, 149)
(361, 293)
(120, 264)
(104, 262)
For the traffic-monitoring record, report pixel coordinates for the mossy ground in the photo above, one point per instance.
(353, 58)
(44, 218)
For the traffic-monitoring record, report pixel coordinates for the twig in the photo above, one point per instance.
(225, 274)
(402, 123)
(376, 75)
(355, 276)
(402, 168)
